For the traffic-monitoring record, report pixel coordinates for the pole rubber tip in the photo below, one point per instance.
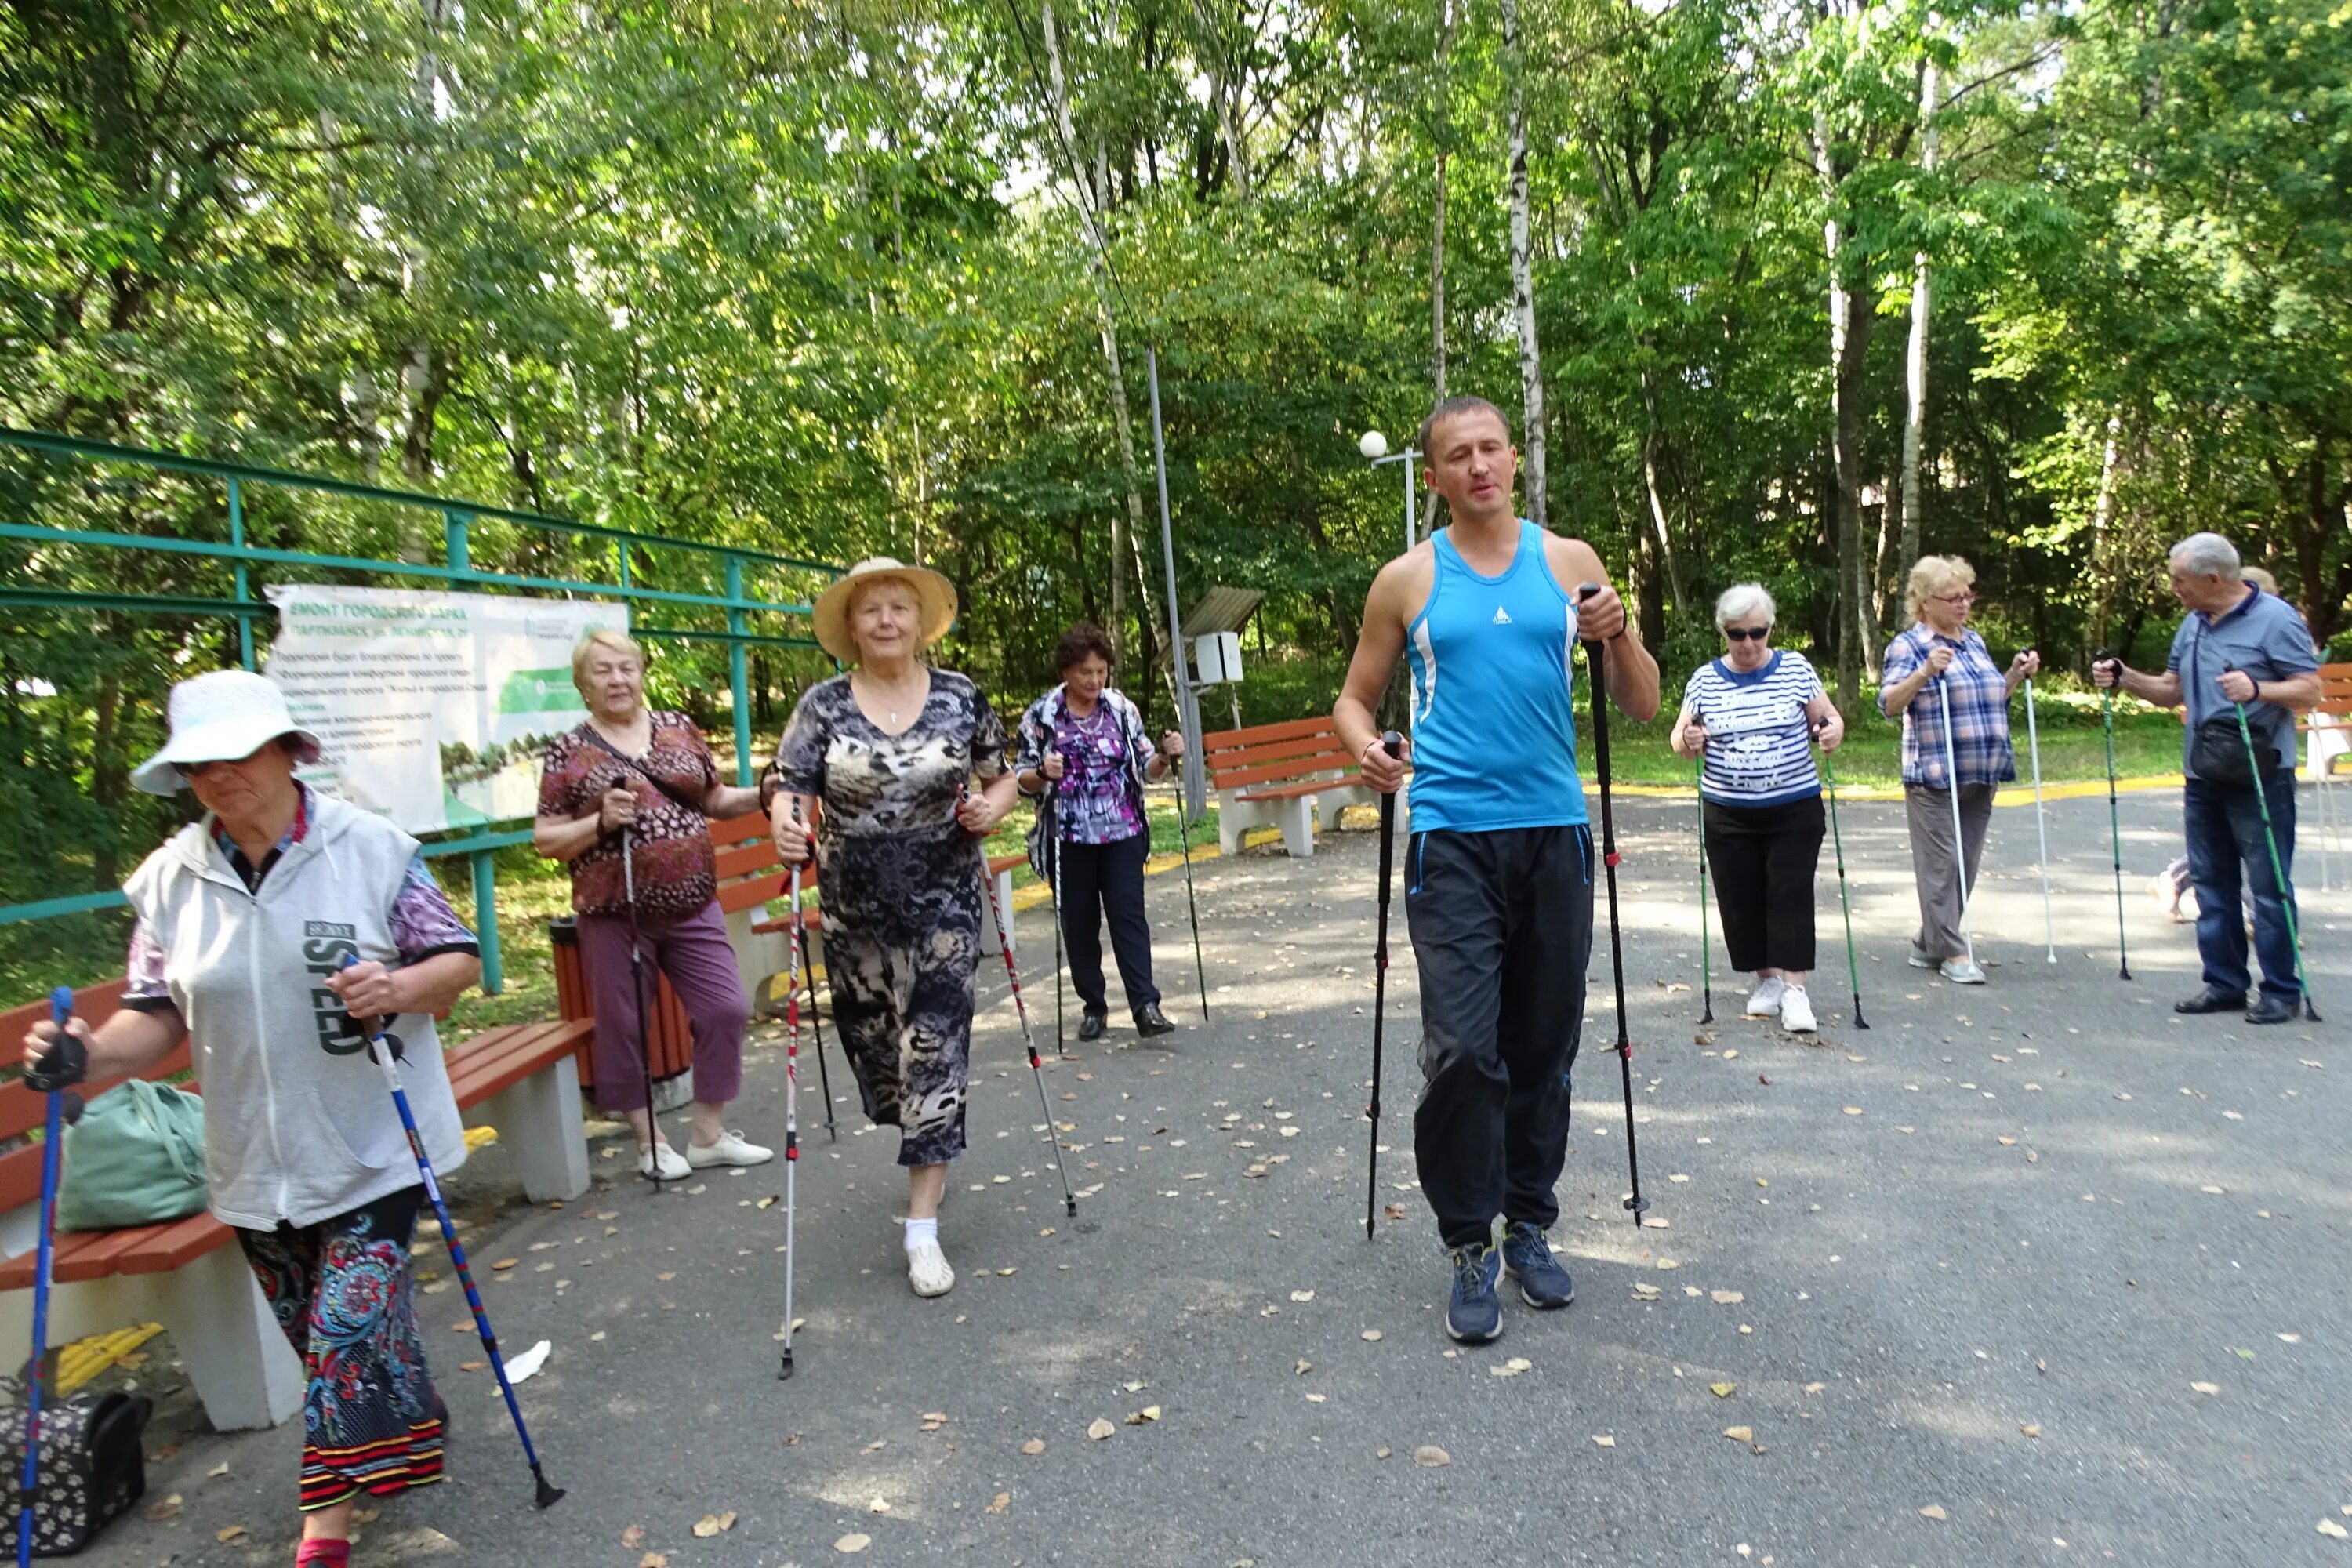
(785, 1373)
(549, 1495)
(1070, 1206)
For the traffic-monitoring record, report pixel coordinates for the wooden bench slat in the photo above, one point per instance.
(1312, 786)
(1285, 773)
(163, 1247)
(1258, 734)
(751, 892)
(1326, 745)
(527, 1054)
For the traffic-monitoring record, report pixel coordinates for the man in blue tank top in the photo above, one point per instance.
(1498, 870)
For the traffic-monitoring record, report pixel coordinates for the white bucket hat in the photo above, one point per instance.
(220, 718)
(934, 595)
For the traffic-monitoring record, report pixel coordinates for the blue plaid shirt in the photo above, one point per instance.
(1979, 694)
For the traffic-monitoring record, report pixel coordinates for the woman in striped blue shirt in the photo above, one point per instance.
(1754, 714)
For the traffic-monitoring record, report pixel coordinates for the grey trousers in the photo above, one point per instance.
(1934, 859)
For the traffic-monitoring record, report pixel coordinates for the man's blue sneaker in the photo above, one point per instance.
(1527, 1253)
(1473, 1315)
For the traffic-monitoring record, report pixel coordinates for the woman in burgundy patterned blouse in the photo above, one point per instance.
(637, 783)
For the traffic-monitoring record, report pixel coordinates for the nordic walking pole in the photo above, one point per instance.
(1705, 953)
(62, 1063)
(1176, 671)
(816, 1018)
(1054, 899)
(2041, 823)
(792, 1100)
(2114, 825)
(2278, 869)
(1392, 743)
(1037, 1066)
(384, 1051)
(1959, 841)
(1595, 659)
(1845, 906)
(645, 1009)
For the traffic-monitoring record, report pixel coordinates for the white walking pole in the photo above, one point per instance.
(1959, 841)
(2041, 824)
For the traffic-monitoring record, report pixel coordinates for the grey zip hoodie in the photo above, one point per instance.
(299, 1125)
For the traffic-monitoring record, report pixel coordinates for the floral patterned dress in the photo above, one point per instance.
(901, 882)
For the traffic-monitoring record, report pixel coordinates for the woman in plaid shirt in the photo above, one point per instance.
(1940, 646)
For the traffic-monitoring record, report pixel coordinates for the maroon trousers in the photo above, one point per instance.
(696, 955)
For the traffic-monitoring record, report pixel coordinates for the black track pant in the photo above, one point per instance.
(1502, 930)
(1763, 858)
(1099, 882)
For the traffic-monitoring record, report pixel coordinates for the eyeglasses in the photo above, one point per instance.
(1745, 634)
(1962, 598)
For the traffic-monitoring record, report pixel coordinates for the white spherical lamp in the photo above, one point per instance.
(1373, 444)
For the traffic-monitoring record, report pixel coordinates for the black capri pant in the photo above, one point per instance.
(1763, 859)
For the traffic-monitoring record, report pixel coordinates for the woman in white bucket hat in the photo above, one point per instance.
(890, 749)
(245, 918)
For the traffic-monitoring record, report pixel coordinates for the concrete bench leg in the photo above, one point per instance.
(243, 1368)
(539, 1127)
(758, 954)
(1298, 817)
(1003, 889)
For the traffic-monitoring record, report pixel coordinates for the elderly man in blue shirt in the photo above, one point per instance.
(2237, 644)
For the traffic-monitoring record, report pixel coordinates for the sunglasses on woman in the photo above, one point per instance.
(1742, 634)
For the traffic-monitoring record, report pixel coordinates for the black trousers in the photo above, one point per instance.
(1098, 882)
(1502, 930)
(1763, 859)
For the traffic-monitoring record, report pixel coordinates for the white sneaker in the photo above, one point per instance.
(1918, 959)
(1961, 971)
(673, 1169)
(1765, 1000)
(1796, 1011)
(730, 1150)
(928, 1270)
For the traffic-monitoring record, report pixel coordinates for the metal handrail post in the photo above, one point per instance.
(244, 584)
(486, 919)
(738, 679)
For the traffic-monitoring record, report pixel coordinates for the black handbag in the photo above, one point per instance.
(92, 1468)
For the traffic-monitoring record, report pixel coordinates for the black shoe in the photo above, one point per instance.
(2269, 1009)
(1092, 1026)
(1149, 1021)
(1527, 1258)
(1473, 1314)
(2213, 999)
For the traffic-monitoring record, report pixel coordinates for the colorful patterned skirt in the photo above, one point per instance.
(341, 1293)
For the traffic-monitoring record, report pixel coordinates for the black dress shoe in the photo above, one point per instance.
(2211, 1000)
(2269, 1009)
(1149, 1021)
(1091, 1026)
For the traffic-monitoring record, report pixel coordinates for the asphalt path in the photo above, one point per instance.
(2036, 1272)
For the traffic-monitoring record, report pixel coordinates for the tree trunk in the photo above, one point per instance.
(1850, 325)
(1091, 196)
(2103, 515)
(1523, 288)
(1915, 418)
(1443, 136)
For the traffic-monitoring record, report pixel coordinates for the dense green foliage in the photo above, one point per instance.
(849, 278)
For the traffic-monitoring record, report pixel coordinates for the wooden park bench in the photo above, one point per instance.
(2329, 726)
(1281, 775)
(189, 1274)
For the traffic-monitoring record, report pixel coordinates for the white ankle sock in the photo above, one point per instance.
(919, 1231)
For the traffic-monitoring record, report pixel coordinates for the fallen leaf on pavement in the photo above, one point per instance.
(1302, 1295)
(1033, 1447)
(1604, 1442)
(505, 1263)
(1723, 1390)
(711, 1524)
(633, 1536)
(1740, 1434)
(168, 1509)
(2206, 1387)
(2333, 1530)
(999, 1503)
(1727, 1298)
(1374, 1336)
(654, 1560)
(853, 1542)
(222, 1469)
(228, 1533)
(1382, 1452)
(879, 1505)
(1302, 1368)
(2030, 1429)
(1430, 1457)
(1932, 1511)
(1101, 1428)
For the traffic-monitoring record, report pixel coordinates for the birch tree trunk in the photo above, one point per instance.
(1092, 199)
(1850, 325)
(1914, 417)
(1523, 288)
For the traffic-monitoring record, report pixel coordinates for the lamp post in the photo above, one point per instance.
(1375, 445)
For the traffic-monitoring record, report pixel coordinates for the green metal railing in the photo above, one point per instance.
(734, 604)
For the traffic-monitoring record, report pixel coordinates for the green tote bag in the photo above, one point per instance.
(136, 1157)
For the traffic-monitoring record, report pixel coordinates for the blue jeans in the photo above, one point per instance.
(2225, 833)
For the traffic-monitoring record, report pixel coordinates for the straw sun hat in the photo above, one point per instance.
(934, 595)
(220, 718)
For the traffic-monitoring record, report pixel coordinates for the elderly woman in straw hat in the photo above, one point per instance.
(245, 918)
(889, 750)
(626, 801)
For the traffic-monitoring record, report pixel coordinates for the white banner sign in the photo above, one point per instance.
(433, 707)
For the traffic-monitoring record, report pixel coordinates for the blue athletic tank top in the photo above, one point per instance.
(1494, 735)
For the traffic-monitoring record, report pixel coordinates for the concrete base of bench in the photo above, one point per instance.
(1294, 815)
(540, 1129)
(238, 1359)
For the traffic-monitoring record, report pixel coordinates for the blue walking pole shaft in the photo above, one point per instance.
(56, 1070)
(382, 1050)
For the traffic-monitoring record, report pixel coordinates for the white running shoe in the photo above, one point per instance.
(673, 1169)
(1796, 1011)
(1918, 959)
(730, 1150)
(1765, 1000)
(1961, 971)
(928, 1270)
